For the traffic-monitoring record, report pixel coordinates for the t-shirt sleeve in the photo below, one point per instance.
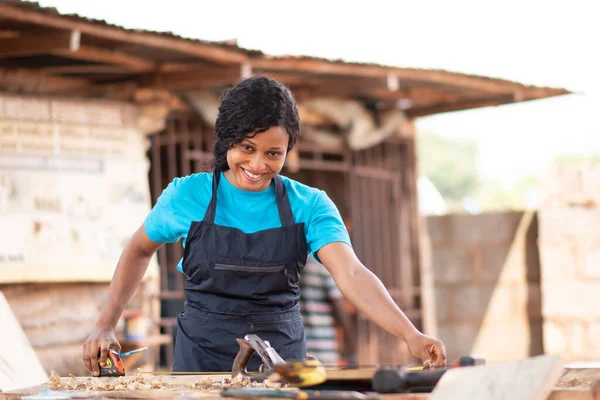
(160, 224)
(325, 225)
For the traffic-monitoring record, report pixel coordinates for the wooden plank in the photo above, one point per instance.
(9, 34)
(530, 379)
(19, 365)
(24, 80)
(488, 101)
(94, 54)
(326, 67)
(571, 394)
(205, 77)
(30, 45)
(84, 69)
(207, 51)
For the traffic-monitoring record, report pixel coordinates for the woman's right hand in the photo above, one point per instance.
(102, 339)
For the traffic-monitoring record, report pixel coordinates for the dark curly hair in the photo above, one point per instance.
(253, 106)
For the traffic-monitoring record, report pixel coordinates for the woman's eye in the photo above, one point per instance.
(246, 147)
(274, 154)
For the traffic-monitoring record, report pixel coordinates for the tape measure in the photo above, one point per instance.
(113, 366)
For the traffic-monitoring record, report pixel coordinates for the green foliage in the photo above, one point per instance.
(451, 165)
(575, 159)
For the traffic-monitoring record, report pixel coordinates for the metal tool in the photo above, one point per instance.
(296, 395)
(402, 379)
(248, 346)
(113, 366)
(297, 373)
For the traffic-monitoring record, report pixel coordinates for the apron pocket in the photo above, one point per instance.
(242, 268)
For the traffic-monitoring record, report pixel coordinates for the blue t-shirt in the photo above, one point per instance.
(186, 199)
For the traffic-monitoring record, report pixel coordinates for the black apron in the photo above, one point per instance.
(237, 284)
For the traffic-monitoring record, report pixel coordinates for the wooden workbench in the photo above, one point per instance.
(574, 385)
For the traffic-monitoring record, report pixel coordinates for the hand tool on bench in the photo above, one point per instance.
(113, 366)
(305, 373)
(249, 345)
(402, 379)
(251, 393)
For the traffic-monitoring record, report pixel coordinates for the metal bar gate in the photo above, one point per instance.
(378, 198)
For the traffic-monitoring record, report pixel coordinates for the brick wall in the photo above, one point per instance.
(52, 247)
(570, 252)
(486, 280)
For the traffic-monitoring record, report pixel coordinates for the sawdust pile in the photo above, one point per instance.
(574, 383)
(136, 382)
(140, 382)
(237, 382)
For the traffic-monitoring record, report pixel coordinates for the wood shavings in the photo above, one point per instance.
(573, 382)
(135, 382)
(54, 380)
(232, 383)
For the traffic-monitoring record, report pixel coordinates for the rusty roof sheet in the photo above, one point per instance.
(36, 7)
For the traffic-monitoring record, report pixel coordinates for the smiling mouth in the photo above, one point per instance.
(250, 176)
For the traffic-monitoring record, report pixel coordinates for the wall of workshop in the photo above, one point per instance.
(569, 242)
(486, 284)
(73, 188)
(58, 317)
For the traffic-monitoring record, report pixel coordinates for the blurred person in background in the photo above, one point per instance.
(323, 310)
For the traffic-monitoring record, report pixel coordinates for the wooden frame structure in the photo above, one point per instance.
(44, 52)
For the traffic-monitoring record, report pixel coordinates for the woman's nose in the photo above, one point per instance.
(257, 163)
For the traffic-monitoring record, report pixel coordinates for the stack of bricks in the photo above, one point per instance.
(486, 278)
(569, 243)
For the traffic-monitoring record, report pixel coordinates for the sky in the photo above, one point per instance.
(544, 43)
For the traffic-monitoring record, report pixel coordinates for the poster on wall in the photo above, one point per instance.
(71, 196)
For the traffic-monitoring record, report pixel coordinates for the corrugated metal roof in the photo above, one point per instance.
(433, 90)
(35, 6)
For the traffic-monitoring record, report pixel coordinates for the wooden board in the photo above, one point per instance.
(19, 365)
(530, 379)
(571, 394)
(181, 385)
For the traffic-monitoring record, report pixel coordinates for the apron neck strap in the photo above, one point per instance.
(212, 206)
(283, 204)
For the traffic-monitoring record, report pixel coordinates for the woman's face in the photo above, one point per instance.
(255, 161)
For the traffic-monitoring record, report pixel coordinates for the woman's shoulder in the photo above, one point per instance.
(294, 187)
(193, 179)
(191, 184)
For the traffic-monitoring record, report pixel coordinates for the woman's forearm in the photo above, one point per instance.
(363, 289)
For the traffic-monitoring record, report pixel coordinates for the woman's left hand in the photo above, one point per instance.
(429, 350)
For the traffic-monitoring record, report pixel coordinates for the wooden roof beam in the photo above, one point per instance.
(442, 107)
(205, 51)
(324, 67)
(68, 44)
(93, 54)
(85, 69)
(525, 94)
(31, 45)
(22, 80)
(205, 77)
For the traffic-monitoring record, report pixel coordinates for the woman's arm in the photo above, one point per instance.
(363, 289)
(128, 274)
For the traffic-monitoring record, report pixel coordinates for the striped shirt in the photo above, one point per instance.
(317, 291)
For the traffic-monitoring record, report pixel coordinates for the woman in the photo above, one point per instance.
(247, 233)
